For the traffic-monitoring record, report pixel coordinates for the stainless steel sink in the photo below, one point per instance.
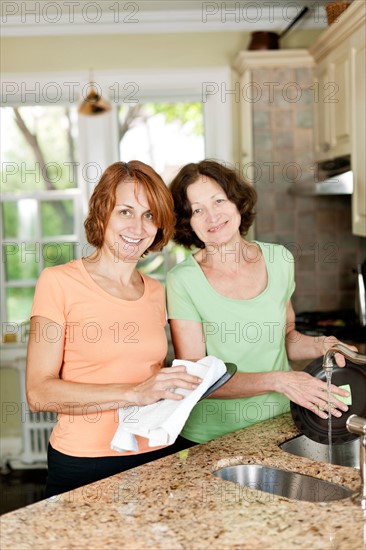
(345, 454)
(281, 482)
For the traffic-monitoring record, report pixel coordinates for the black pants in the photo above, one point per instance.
(66, 473)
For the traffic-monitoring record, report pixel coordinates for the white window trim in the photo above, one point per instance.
(75, 238)
(98, 135)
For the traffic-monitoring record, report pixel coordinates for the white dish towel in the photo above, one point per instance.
(163, 421)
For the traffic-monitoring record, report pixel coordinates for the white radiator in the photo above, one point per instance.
(36, 430)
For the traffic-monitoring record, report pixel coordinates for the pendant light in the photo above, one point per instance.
(94, 103)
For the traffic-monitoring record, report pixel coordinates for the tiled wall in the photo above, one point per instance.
(316, 229)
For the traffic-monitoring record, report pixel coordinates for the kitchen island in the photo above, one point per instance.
(176, 503)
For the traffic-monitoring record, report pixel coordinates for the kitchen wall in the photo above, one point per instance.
(317, 230)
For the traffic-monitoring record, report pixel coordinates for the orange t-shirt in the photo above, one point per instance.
(107, 341)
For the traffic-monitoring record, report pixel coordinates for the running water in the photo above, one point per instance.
(328, 374)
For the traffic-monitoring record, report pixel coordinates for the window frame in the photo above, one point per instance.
(98, 136)
(73, 194)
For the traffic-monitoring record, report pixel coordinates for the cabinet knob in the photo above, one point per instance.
(326, 147)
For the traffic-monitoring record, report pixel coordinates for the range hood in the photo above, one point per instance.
(332, 177)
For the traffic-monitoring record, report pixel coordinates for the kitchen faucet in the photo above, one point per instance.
(354, 356)
(357, 425)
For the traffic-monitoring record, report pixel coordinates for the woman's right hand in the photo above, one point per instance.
(161, 386)
(311, 393)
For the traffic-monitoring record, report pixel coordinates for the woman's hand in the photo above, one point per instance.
(311, 393)
(161, 386)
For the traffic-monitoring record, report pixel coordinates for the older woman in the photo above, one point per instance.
(97, 339)
(232, 299)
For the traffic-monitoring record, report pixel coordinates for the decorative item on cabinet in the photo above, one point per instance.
(265, 40)
(334, 10)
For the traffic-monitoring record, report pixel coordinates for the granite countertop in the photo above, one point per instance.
(176, 503)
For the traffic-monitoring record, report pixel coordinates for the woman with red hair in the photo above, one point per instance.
(97, 339)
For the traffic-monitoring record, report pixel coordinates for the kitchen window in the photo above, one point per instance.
(52, 159)
(40, 202)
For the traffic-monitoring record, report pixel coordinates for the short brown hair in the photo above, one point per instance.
(243, 195)
(103, 200)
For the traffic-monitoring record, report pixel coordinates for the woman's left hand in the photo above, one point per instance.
(311, 393)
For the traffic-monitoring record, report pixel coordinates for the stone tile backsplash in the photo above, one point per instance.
(317, 230)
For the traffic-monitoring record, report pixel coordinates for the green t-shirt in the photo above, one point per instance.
(249, 333)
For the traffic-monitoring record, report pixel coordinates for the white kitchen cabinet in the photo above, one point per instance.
(332, 105)
(332, 92)
(340, 121)
(339, 125)
(322, 134)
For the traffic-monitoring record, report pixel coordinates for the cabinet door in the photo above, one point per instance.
(358, 77)
(322, 135)
(339, 102)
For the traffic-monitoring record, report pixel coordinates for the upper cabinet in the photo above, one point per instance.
(339, 122)
(332, 96)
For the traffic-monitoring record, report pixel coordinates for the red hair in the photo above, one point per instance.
(103, 200)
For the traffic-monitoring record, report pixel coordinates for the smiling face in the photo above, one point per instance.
(131, 229)
(214, 219)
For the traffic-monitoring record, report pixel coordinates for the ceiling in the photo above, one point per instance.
(73, 17)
